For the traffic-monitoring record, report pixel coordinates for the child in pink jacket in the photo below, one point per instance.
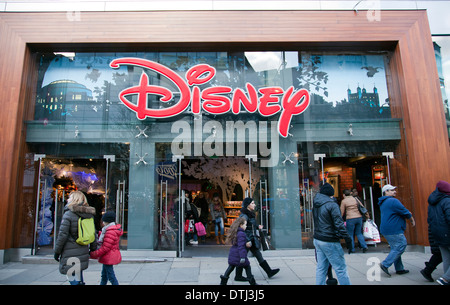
(109, 253)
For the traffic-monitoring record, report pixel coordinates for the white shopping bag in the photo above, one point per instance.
(373, 235)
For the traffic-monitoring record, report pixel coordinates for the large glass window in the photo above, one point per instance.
(442, 53)
(85, 110)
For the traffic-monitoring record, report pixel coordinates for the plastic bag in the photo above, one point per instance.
(370, 232)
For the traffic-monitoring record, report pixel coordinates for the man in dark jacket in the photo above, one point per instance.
(329, 228)
(439, 225)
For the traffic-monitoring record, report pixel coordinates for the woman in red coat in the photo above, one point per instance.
(109, 253)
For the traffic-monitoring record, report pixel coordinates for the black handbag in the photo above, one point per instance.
(362, 209)
(265, 243)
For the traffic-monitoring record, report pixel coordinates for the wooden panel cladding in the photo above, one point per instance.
(413, 83)
(215, 26)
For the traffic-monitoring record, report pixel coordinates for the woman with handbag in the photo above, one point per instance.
(248, 212)
(354, 219)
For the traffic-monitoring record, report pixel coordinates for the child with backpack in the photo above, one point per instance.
(237, 256)
(109, 253)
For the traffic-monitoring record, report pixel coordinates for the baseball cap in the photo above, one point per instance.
(387, 187)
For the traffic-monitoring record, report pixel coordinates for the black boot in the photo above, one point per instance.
(223, 280)
(331, 280)
(252, 281)
(426, 272)
(238, 277)
(270, 272)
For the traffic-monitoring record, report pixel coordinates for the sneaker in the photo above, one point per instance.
(441, 281)
(193, 242)
(385, 269)
(402, 271)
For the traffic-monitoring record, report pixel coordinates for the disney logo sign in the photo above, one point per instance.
(268, 101)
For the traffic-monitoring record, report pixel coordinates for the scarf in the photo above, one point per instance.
(250, 214)
(100, 240)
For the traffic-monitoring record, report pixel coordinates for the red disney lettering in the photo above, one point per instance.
(250, 104)
(215, 103)
(144, 89)
(216, 99)
(291, 107)
(266, 106)
(194, 73)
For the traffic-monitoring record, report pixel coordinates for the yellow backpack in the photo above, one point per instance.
(86, 231)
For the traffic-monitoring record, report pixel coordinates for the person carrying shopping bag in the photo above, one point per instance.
(67, 250)
(237, 256)
(109, 253)
(354, 220)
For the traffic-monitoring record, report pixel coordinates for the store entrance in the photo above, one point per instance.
(57, 177)
(188, 185)
(363, 175)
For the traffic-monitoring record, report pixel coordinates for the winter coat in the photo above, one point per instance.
(439, 217)
(252, 226)
(349, 208)
(217, 211)
(328, 223)
(393, 216)
(109, 252)
(239, 250)
(66, 244)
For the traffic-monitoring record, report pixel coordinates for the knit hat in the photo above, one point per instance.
(109, 216)
(443, 187)
(327, 189)
(246, 202)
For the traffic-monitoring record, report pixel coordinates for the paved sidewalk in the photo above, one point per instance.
(297, 268)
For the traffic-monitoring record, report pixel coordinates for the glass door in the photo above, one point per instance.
(57, 178)
(259, 191)
(170, 205)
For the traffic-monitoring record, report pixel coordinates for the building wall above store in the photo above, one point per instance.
(439, 23)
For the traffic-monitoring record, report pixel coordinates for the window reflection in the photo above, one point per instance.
(83, 87)
(442, 53)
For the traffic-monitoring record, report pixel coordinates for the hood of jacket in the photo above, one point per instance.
(383, 199)
(436, 196)
(83, 211)
(321, 199)
(117, 227)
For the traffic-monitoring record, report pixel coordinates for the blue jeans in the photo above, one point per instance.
(75, 279)
(354, 227)
(330, 253)
(398, 243)
(108, 275)
(219, 223)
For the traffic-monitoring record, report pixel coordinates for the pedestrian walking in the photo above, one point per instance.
(392, 226)
(237, 256)
(66, 247)
(109, 252)
(329, 229)
(248, 213)
(439, 225)
(218, 217)
(353, 218)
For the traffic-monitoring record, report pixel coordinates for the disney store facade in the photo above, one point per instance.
(137, 120)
